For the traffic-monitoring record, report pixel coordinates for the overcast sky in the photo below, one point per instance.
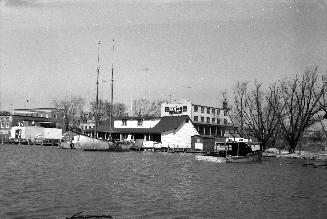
(190, 48)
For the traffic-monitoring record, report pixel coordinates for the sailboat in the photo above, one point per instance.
(87, 143)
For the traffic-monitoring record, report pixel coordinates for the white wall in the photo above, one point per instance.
(133, 123)
(180, 137)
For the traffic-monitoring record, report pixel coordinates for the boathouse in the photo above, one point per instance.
(169, 131)
(176, 131)
(203, 143)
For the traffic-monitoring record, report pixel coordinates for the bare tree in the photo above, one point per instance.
(145, 108)
(253, 113)
(5, 113)
(299, 101)
(70, 110)
(104, 109)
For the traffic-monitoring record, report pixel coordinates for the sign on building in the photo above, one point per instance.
(175, 110)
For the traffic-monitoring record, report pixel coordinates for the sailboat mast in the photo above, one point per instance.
(112, 84)
(97, 95)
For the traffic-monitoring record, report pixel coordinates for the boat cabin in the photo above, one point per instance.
(239, 147)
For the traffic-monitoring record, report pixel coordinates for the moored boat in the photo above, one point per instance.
(243, 152)
(86, 143)
(124, 145)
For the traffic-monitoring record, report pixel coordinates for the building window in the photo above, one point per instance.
(124, 122)
(90, 127)
(1, 125)
(196, 118)
(218, 121)
(184, 108)
(218, 111)
(213, 111)
(213, 120)
(225, 121)
(208, 119)
(208, 110)
(202, 119)
(7, 125)
(140, 122)
(202, 109)
(225, 112)
(166, 109)
(196, 108)
(46, 116)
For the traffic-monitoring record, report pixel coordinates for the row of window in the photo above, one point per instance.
(4, 118)
(209, 110)
(196, 109)
(3, 125)
(213, 120)
(39, 115)
(139, 122)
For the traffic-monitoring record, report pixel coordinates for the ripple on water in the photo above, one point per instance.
(46, 182)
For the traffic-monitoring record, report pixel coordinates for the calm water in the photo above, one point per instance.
(47, 182)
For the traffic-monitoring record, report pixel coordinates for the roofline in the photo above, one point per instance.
(44, 108)
(193, 104)
(136, 118)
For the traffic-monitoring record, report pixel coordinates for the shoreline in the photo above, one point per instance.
(305, 155)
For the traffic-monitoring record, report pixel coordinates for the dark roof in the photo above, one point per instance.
(21, 118)
(165, 124)
(169, 123)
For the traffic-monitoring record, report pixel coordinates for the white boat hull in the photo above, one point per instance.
(86, 143)
(82, 142)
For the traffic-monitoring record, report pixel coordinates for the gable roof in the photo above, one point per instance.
(165, 124)
(169, 123)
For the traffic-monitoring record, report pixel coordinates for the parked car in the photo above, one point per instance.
(38, 139)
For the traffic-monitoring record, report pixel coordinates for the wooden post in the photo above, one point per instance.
(238, 147)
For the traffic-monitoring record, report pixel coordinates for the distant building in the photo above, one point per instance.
(208, 120)
(45, 117)
(89, 124)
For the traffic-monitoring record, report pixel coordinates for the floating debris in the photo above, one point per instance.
(80, 216)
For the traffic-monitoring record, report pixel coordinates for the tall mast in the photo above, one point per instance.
(112, 83)
(97, 94)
